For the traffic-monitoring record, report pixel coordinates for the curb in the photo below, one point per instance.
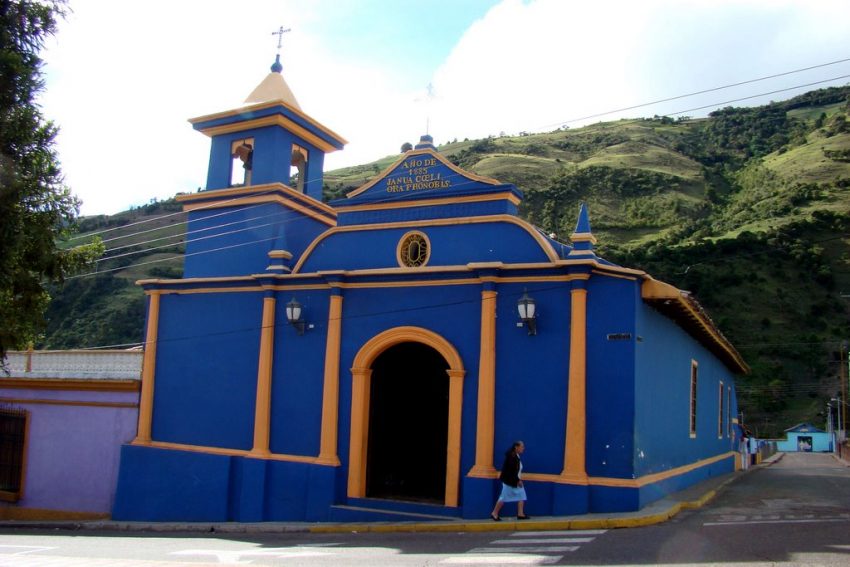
(664, 510)
(536, 525)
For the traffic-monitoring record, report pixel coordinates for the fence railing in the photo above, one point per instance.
(90, 364)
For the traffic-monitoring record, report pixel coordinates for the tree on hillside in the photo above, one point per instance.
(36, 209)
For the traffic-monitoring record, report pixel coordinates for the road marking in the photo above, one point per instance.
(754, 522)
(543, 549)
(24, 549)
(502, 560)
(526, 548)
(236, 555)
(559, 533)
(63, 561)
(546, 540)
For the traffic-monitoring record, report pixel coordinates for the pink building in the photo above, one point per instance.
(63, 418)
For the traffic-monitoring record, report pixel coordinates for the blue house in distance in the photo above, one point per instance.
(805, 438)
(366, 358)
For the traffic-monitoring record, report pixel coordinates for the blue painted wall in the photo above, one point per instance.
(611, 308)
(821, 442)
(206, 369)
(234, 241)
(271, 160)
(662, 397)
(450, 246)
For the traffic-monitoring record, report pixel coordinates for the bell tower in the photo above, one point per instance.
(262, 203)
(268, 140)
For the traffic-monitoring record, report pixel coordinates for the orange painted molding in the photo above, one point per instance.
(485, 425)
(330, 390)
(360, 402)
(262, 409)
(148, 370)
(574, 450)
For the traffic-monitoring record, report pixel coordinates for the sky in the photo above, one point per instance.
(122, 78)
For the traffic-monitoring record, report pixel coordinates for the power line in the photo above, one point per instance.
(609, 112)
(761, 94)
(704, 91)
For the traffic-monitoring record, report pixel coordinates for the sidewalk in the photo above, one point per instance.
(660, 511)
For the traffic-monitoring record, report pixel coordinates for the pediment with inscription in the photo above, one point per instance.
(419, 173)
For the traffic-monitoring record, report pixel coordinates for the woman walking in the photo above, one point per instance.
(512, 489)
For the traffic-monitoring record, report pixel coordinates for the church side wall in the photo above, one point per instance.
(663, 440)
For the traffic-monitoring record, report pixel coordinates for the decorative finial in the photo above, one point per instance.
(582, 238)
(425, 142)
(276, 66)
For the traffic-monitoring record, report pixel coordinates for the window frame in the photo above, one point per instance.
(720, 410)
(16, 495)
(692, 402)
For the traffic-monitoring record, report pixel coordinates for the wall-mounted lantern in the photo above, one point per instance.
(527, 312)
(293, 315)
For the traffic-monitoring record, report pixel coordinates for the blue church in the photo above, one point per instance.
(374, 356)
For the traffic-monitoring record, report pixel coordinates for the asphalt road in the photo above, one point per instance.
(796, 512)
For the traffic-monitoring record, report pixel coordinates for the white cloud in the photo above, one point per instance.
(534, 65)
(124, 77)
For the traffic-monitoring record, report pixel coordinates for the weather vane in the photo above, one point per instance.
(279, 33)
(429, 98)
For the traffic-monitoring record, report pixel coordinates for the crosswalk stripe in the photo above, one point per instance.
(542, 540)
(546, 549)
(502, 560)
(559, 533)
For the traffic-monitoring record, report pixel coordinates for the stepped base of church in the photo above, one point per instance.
(165, 485)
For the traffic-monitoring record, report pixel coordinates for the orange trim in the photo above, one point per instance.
(30, 514)
(574, 450)
(76, 384)
(652, 290)
(262, 409)
(330, 390)
(362, 376)
(263, 199)
(424, 202)
(25, 401)
(621, 482)
(495, 219)
(273, 120)
(148, 371)
(269, 104)
(256, 191)
(226, 452)
(486, 388)
(401, 241)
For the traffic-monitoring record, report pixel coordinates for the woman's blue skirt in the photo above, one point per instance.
(511, 494)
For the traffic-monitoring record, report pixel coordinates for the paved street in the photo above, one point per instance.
(795, 512)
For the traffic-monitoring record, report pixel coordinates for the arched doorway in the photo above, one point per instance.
(361, 394)
(408, 424)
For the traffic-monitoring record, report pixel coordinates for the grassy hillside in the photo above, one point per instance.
(748, 208)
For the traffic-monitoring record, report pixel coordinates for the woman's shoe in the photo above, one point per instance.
(495, 518)
(523, 517)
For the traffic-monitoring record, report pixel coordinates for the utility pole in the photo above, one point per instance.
(842, 408)
(829, 425)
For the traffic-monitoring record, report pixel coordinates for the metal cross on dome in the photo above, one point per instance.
(279, 33)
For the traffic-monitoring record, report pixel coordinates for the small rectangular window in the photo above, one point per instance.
(298, 167)
(13, 444)
(729, 411)
(693, 423)
(720, 412)
(242, 162)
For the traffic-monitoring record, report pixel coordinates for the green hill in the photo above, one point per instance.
(749, 209)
